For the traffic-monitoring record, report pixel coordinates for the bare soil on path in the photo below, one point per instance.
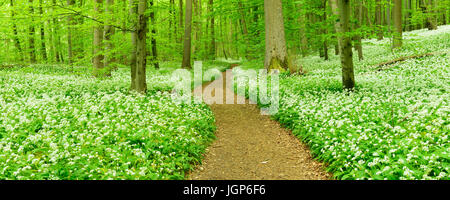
(251, 146)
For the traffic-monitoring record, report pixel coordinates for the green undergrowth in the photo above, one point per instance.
(393, 126)
(61, 123)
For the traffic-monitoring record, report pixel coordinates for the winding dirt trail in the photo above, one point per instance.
(251, 146)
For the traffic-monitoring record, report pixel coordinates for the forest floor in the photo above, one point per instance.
(252, 146)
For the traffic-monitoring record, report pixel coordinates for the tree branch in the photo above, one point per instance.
(93, 19)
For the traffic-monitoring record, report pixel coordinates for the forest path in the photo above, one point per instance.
(252, 146)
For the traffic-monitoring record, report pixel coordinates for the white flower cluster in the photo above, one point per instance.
(394, 126)
(55, 125)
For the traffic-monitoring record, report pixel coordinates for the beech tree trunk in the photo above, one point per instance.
(276, 52)
(187, 36)
(357, 25)
(323, 18)
(222, 36)
(141, 49)
(242, 19)
(172, 19)
(388, 15)
(337, 24)
(336, 44)
(43, 48)
(342, 8)
(57, 40)
(31, 32)
(302, 32)
(197, 34)
(431, 18)
(180, 25)
(244, 28)
(348, 76)
(69, 34)
(14, 28)
(367, 15)
(408, 16)
(133, 59)
(378, 20)
(153, 40)
(213, 34)
(98, 40)
(420, 4)
(397, 42)
(109, 32)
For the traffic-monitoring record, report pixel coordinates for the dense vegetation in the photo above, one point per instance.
(394, 126)
(86, 86)
(60, 125)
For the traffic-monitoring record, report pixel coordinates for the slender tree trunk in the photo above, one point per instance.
(337, 24)
(222, 37)
(98, 60)
(443, 13)
(242, 20)
(141, 63)
(388, 15)
(397, 42)
(206, 40)
(200, 28)
(302, 32)
(79, 45)
(51, 39)
(195, 28)
(171, 19)
(230, 39)
(57, 39)
(357, 38)
(181, 20)
(133, 59)
(276, 53)
(256, 19)
(187, 36)
(303, 42)
(69, 34)
(175, 26)
(109, 32)
(153, 38)
(431, 18)
(14, 28)
(244, 28)
(378, 20)
(316, 19)
(324, 29)
(31, 32)
(408, 16)
(419, 4)
(367, 15)
(212, 27)
(383, 13)
(124, 55)
(446, 13)
(43, 48)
